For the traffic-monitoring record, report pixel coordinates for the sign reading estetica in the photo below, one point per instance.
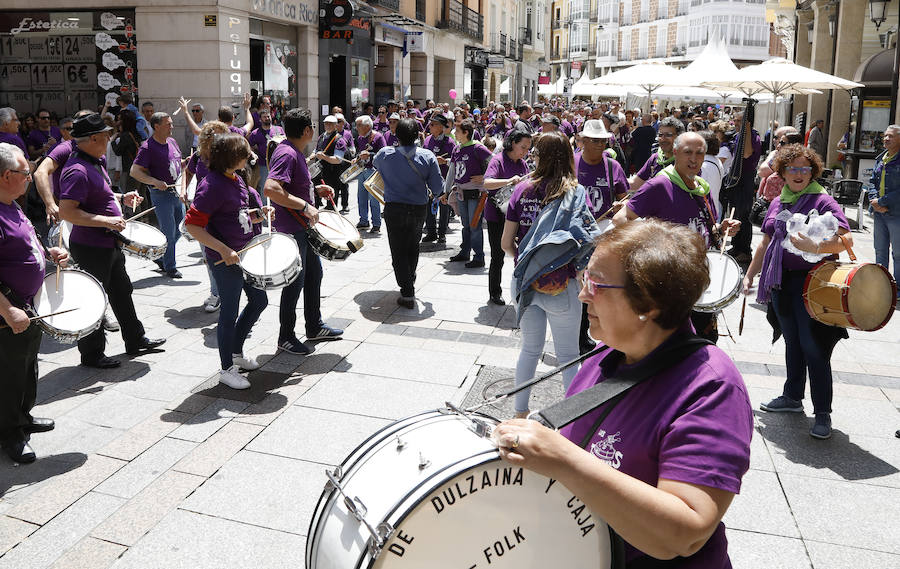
(295, 11)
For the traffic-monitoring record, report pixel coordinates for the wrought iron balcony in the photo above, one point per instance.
(389, 4)
(525, 34)
(461, 19)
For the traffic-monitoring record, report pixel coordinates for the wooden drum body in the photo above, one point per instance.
(861, 296)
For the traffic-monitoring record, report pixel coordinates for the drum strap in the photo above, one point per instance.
(706, 214)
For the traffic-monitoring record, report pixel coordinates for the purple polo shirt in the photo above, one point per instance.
(38, 138)
(14, 139)
(85, 181)
(259, 137)
(21, 255)
(197, 167)
(288, 166)
(163, 161)
(501, 167)
(227, 202)
(652, 167)
(390, 139)
(373, 143)
(60, 155)
(690, 423)
(470, 160)
(381, 127)
(662, 199)
(821, 203)
(442, 148)
(595, 179)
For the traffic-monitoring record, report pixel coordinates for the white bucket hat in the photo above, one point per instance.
(595, 129)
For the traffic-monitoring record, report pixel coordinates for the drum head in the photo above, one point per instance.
(724, 282)
(272, 257)
(53, 235)
(77, 289)
(872, 296)
(144, 234)
(339, 229)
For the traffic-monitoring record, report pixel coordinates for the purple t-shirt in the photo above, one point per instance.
(21, 256)
(85, 181)
(163, 161)
(288, 166)
(227, 202)
(821, 203)
(197, 167)
(662, 199)
(501, 167)
(14, 139)
(442, 148)
(373, 143)
(259, 138)
(595, 179)
(690, 423)
(390, 139)
(38, 138)
(381, 127)
(236, 130)
(470, 160)
(652, 167)
(60, 155)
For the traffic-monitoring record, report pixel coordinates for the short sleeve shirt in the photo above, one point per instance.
(163, 161)
(86, 181)
(288, 166)
(38, 138)
(259, 138)
(595, 179)
(21, 255)
(14, 139)
(60, 155)
(442, 148)
(662, 199)
(652, 167)
(197, 167)
(470, 160)
(501, 167)
(227, 202)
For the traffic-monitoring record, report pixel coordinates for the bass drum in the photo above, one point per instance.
(431, 491)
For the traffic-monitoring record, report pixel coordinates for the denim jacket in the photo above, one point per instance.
(563, 233)
(891, 198)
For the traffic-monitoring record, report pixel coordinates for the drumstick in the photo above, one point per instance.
(725, 239)
(58, 266)
(36, 318)
(610, 210)
(269, 214)
(220, 261)
(743, 309)
(333, 205)
(143, 213)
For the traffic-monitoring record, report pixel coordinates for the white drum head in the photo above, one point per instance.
(77, 289)
(605, 225)
(144, 234)
(272, 257)
(725, 277)
(339, 230)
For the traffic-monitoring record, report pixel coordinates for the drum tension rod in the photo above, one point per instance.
(358, 510)
(477, 426)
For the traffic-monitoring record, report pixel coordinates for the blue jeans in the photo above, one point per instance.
(367, 201)
(169, 211)
(233, 329)
(563, 312)
(472, 239)
(263, 174)
(309, 281)
(887, 237)
(213, 287)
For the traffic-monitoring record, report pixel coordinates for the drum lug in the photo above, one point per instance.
(481, 428)
(383, 532)
(423, 462)
(358, 510)
(401, 444)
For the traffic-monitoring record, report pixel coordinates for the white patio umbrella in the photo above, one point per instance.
(553, 88)
(582, 87)
(648, 76)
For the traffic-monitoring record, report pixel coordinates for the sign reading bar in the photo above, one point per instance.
(336, 34)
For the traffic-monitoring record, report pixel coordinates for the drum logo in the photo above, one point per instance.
(471, 484)
(244, 220)
(605, 451)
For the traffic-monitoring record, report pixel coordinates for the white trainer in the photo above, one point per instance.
(233, 379)
(211, 304)
(248, 363)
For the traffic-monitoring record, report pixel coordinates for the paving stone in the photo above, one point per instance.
(751, 550)
(207, 457)
(202, 425)
(61, 403)
(263, 490)
(185, 540)
(63, 378)
(140, 472)
(761, 506)
(446, 369)
(158, 385)
(274, 404)
(374, 396)
(141, 513)
(143, 436)
(12, 531)
(90, 553)
(830, 556)
(300, 431)
(65, 489)
(114, 409)
(452, 347)
(395, 340)
(47, 544)
(18, 481)
(190, 403)
(73, 438)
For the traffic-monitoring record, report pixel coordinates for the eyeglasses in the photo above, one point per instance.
(45, 117)
(25, 173)
(780, 142)
(591, 286)
(799, 169)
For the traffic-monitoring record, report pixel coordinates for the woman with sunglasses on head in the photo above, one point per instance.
(808, 343)
(674, 447)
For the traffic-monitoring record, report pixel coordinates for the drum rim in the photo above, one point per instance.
(51, 330)
(845, 293)
(712, 308)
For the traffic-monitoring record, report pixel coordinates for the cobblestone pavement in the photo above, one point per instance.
(153, 465)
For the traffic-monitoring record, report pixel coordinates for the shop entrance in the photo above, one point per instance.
(337, 83)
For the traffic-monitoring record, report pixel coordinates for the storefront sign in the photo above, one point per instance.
(476, 57)
(210, 20)
(298, 12)
(495, 62)
(389, 36)
(336, 34)
(415, 42)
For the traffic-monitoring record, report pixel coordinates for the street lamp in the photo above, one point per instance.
(810, 32)
(831, 20)
(878, 12)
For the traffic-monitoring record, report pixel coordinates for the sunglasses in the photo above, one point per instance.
(591, 286)
(65, 128)
(799, 169)
(196, 110)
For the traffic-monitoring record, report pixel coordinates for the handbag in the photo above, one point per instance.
(758, 210)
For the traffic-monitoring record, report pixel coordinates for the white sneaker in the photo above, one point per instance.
(248, 363)
(211, 304)
(233, 379)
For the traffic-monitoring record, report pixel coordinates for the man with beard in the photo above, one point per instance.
(259, 138)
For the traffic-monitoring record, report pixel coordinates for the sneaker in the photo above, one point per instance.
(375, 229)
(110, 324)
(362, 225)
(407, 301)
(212, 303)
(232, 378)
(174, 274)
(822, 428)
(345, 211)
(782, 404)
(475, 263)
(248, 363)
(441, 239)
(326, 333)
(430, 238)
(459, 257)
(294, 346)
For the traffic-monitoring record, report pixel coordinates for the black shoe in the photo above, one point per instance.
(345, 211)
(431, 237)
(103, 363)
(459, 257)
(375, 229)
(145, 343)
(498, 300)
(441, 239)
(362, 225)
(174, 274)
(19, 451)
(475, 263)
(159, 264)
(39, 425)
(407, 301)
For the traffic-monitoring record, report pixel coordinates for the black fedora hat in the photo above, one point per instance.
(88, 125)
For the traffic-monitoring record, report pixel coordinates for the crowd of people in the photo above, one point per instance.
(607, 215)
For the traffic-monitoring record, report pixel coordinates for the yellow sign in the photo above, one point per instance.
(877, 104)
(210, 20)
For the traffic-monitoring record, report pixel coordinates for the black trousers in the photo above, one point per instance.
(108, 267)
(741, 199)
(18, 380)
(404, 228)
(495, 271)
(706, 324)
(436, 224)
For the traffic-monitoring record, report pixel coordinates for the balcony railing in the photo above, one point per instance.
(519, 54)
(461, 19)
(389, 4)
(504, 45)
(525, 34)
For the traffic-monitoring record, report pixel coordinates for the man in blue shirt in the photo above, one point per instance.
(409, 175)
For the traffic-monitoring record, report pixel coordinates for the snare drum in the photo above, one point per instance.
(315, 169)
(53, 234)
(146, 241)
(861, 296)
(272, 265)
(184, 232)
(375, 186)
(417, 504)
(77, 289)
(335, 238)
(354, 170)
(725, 279)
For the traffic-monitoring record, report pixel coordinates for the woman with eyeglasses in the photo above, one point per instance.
(808, 343)
(674, 447)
